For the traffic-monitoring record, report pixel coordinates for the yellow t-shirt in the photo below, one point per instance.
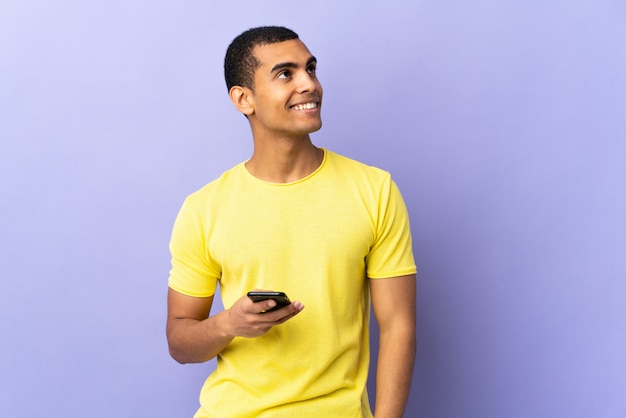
(318, 240)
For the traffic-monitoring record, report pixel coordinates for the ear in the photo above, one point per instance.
(243, 99)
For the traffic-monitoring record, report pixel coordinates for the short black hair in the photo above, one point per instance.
(240, 63)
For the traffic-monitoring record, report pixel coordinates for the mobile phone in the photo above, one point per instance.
(280, 298)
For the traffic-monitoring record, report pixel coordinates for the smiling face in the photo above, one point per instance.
(287, 96)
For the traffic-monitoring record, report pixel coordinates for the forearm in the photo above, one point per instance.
(197, 341)
(194, 336)
(396, 358)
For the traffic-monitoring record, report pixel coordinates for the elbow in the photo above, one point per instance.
(177, 348)
(184, 346)
(176, 353)
(178, 356)
(403, 335)
(184, 355)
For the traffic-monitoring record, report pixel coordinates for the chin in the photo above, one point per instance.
(315, 127)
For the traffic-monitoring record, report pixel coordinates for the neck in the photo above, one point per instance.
(284, 161)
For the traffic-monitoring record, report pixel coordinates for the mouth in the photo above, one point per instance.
(305, 106)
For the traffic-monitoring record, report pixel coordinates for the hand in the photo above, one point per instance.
(249, 319)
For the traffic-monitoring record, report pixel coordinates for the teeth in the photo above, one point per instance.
(305, 106)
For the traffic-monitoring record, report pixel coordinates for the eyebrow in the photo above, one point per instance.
(282, 65)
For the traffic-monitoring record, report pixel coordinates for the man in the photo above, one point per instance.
(330, 232)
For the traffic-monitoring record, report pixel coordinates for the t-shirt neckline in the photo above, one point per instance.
(291, 183)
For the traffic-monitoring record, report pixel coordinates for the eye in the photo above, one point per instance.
(311, 69)
(284, 74)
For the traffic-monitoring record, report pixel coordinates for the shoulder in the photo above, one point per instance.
(224, 183)
(356, 169)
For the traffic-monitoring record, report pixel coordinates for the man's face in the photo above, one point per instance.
(287, 95)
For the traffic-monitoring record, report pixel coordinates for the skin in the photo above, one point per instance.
(283, 152)
(393, 303)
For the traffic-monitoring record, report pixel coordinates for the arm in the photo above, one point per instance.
(393, 301)
(193, 336)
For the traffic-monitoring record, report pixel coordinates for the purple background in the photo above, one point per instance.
(503, 122)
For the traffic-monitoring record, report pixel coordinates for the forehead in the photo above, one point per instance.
(291, 51)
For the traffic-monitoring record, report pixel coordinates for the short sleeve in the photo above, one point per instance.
(193, 272)
(392, 252)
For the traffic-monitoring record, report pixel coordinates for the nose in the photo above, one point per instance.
(307, 83)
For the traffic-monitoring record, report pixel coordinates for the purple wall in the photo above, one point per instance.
(503, 122)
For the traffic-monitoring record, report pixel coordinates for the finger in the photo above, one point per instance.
(263, 307)
(269, 304)
(281, 315)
